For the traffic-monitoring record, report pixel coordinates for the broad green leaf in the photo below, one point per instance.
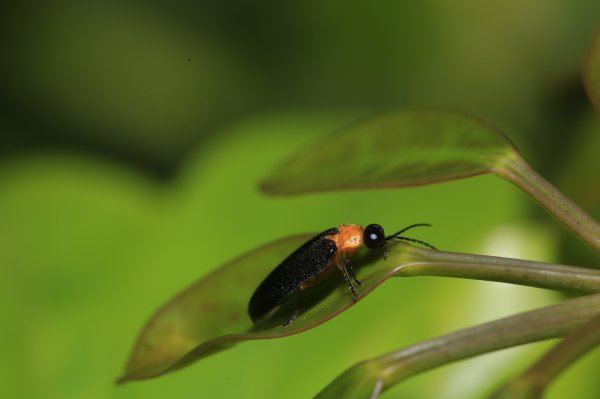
(402, 148)
(415, 147)
(591, 72)
(207, 316)
(211, 315)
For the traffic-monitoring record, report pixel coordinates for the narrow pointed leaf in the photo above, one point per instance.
(211, 315)
(402, 148)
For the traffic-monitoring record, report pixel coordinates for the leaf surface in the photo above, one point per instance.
(401, 148)
(211, 315)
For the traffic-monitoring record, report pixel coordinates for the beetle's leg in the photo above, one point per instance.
(294, 315)
(349, 283)
(293, 318)
(342, 268)
(351, 271)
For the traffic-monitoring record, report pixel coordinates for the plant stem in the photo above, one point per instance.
(550, 322)
(425, 262)
(517, 171)
(534, 381)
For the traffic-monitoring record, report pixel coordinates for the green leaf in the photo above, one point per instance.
(211, 315)
(591, 72)
(402, 148)
(415, 147)
(206, 317)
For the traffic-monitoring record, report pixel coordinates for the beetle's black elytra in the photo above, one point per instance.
(303, 264)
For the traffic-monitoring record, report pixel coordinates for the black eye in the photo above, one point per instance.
(373, 236)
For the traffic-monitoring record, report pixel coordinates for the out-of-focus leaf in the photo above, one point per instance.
(369, 379)
(403, 148)
(579, 161)
(535, 381)
(591, 73)
(211, 315)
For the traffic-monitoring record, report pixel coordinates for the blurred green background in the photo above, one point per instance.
(133, 136)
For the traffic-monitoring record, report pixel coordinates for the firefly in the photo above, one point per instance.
(315, 259)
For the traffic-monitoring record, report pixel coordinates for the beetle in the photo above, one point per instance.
(315, 259)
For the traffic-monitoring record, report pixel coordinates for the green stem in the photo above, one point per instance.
(517, 171)
(424, 262)
(534, 381)
(380, 373)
